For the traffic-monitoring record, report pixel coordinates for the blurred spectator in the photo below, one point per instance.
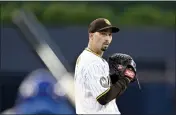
(39, 93)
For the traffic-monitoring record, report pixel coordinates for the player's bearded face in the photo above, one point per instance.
(102, 40)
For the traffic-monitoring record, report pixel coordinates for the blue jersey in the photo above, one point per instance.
(37, 94)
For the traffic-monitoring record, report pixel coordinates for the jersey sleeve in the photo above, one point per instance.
(97, 79)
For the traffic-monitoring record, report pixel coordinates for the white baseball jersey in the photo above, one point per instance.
(92, 81)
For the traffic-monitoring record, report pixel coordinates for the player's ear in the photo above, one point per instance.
(91, 36)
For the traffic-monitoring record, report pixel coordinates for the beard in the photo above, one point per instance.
(104, 48)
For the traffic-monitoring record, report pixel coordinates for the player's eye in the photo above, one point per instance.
(106, 34)
(103, 33)
(110, 34)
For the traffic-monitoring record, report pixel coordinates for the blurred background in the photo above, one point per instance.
(147, 34)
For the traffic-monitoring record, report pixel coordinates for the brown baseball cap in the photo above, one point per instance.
(101, 24)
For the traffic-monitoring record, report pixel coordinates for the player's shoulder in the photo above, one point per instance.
(88, 58)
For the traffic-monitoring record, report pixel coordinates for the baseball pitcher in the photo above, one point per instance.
(97, 83)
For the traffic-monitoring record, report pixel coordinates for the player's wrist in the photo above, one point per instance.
(128, 79)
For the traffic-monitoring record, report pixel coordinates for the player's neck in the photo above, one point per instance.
(94, 51)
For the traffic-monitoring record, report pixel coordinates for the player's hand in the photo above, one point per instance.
(122, 65)
(129, 73)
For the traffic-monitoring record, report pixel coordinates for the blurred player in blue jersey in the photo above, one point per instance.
(38, 95)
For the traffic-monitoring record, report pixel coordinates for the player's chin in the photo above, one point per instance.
(104, 48)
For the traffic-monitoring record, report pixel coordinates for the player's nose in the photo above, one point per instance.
(107, 39)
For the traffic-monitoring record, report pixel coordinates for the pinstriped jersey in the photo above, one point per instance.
(91, 82)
